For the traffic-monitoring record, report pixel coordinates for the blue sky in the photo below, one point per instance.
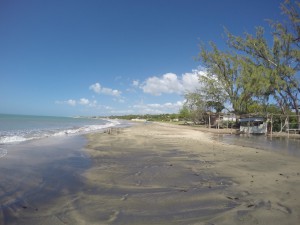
(111, 57)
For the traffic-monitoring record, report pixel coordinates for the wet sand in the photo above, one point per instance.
(38, 178)
(166, 174)
(163, 174)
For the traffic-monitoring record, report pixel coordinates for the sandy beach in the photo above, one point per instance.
(155, 173)
(168, 174)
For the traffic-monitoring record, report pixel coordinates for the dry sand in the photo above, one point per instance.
(169, 174)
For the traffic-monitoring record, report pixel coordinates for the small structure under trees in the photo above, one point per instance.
(255, 69)
(253, 125)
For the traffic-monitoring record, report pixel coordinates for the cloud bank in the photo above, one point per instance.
(156, 108)
(170, 83)
(103, 90)
(82, 101)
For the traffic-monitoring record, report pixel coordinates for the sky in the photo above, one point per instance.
(112, 57)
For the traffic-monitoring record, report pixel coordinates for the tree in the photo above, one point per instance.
(226, 78)
(184, 113)
(278, 64)
(212, 92)
(196, 105)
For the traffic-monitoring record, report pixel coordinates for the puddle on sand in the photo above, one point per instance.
(280, 145)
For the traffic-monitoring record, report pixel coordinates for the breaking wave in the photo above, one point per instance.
(10, 137)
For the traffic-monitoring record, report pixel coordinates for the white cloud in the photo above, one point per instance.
(170, 83)
(135, 83)
(156, 108)
(96, 88)
(190, 81)
(93, 103)
(109, 91)
(71, 102)
(84, 101)
(103, 90)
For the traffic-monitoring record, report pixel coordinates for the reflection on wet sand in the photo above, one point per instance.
(153, 174)
(283, 145)
(34, 175)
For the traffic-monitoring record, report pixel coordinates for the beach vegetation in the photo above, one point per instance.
(150, 117)
(184, 113)
(255, 71)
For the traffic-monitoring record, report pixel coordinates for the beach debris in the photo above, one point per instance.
(138, 173)
(232, 198)
(27, 207)
(114, 216)
(124, 197)
(281, 174)
(283, 208)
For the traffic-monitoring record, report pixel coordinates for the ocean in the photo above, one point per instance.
(16, 129)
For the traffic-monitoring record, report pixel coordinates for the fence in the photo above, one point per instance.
(283, 123)
(275, 122)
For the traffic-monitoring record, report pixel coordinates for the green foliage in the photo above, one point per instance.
(279, 62)
(226, 78)
(184, 113)
(196, 105)
(216, 106)
(148, 117)
(273, 109)
(255, 70)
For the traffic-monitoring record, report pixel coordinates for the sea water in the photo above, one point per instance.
(18, 128)
(283, 145)
(41, 160)
(21, 128)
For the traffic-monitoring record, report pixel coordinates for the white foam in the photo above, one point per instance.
(3, 152)
(12, 139)
(38, 134)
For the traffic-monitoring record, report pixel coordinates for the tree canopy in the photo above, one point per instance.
(255, 71)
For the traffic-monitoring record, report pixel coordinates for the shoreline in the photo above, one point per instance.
(151, 173)
(232, 131)
(36, 176)
(279, 143)
(167, 174)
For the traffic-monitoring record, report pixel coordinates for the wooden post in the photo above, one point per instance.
(219, 123)
(271, 125)
(227, 121)
(208, 120)
(249, 125)
(281, 128)
(288, 126)
(231, 124)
